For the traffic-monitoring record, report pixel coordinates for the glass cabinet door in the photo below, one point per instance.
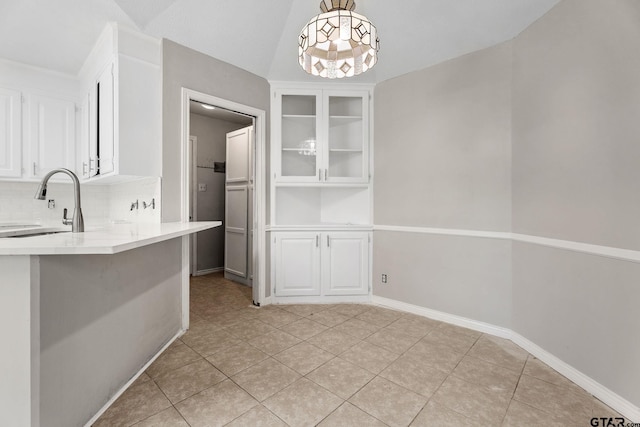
(300, 156)
(346, 138)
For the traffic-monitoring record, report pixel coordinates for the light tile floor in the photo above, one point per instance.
(341, 365)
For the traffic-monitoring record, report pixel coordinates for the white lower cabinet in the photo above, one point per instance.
(297, 264)
(345, 264)
(321, 263)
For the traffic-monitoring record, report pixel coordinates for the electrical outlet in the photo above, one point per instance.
(51, 204)
(202, 187)
(384, 278)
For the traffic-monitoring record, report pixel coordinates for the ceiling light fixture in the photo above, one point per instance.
(338, 42)
(208, 107)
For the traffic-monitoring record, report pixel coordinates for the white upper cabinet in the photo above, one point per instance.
(321, 136)
(121, 135)
(50, 133)
(347, 141)
(37, 134)
(10, 133)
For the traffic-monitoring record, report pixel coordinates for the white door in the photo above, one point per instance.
(345, 266)
(237, 214)
(51, 135)
(235, 236)
(297, 264)
(10, 132)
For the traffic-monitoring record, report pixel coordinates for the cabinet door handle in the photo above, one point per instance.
(327, 240)
(317, 240)
(326, 174)
(34, 168)
(84, 168)
(319, 174)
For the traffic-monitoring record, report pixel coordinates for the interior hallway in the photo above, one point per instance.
(341, 365)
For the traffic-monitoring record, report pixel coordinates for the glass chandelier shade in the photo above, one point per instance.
(339, 42)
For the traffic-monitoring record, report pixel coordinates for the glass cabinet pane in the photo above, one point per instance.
(345, 137)
(299, 135)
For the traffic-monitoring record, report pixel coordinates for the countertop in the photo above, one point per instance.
(110, 239)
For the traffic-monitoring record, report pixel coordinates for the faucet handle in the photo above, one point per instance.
(66, 221)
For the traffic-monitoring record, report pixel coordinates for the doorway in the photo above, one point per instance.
(212, 128)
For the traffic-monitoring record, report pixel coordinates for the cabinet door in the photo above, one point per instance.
(51, 134)
(345, 263)
(298, 132)
(297, 264)
(347, 139)
(105, 121)
(87, 149)
(10, 133)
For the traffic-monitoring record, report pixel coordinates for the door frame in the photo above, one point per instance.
(258, 257)
(193, 207)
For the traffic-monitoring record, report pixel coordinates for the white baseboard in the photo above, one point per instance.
(615, 401)
(208, 271)
(131, 381)
(464, 322)
(326, 299)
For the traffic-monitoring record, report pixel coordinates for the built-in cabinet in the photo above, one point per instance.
(105, 124)
(38, 134)
(320, 193)
(321, 263)
(322, 136)
(122, 107)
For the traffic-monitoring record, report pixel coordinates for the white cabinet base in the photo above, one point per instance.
(313, 266)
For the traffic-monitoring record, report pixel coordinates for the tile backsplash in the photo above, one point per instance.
(101, 204)
(142, 191)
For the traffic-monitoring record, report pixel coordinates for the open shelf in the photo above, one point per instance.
(321, 205)
(298, 116)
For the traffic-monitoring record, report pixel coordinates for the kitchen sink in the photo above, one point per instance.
(31, 232)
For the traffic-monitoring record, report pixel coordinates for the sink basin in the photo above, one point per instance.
(12, 226)
(32, 232)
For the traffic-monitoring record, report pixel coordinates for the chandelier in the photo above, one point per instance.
(338, 42)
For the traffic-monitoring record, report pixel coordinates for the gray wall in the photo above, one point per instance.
(576, 147)
(211, 134)
(442, 160)
(442, 144)
(102, 317)
(576, 133)
(184, 67)
(567, 94)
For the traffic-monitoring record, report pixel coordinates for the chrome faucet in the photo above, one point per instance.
(77, 222)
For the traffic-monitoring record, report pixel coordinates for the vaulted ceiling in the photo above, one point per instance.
(260, 36)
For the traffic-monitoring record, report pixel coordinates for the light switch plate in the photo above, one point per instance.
(202, 187)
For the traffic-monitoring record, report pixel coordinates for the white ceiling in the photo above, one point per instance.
(260, 35)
